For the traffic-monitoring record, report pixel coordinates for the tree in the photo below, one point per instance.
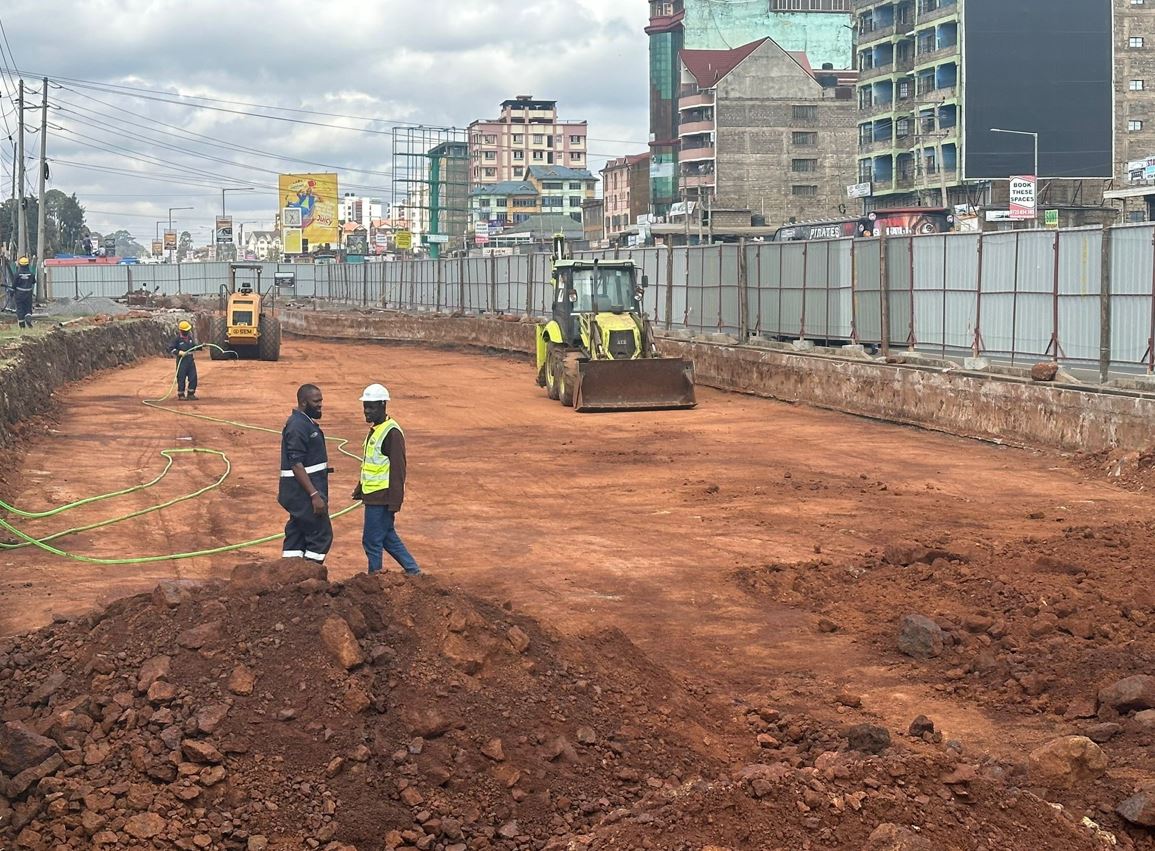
(127, 246)
(66, 218)
(184, 246)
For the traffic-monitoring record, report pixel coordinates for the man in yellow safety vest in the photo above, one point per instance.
(381, 488)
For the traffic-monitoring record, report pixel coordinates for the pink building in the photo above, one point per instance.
(527, 133)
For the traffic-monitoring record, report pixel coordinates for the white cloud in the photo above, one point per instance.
(436, 62)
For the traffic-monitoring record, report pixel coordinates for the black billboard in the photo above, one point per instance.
(1043, 66)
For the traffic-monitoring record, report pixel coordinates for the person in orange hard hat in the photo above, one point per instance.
(182, 349)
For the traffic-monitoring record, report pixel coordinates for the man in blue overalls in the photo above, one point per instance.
(304, 490)
(182, 349)
(24, 287)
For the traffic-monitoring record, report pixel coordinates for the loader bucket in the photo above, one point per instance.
(644, 384)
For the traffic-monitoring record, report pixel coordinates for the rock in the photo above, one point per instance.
(1043, 625)
(1130, 694)
(145, 826)
(517, 639)
(161, 692)
(1145, 719)
(21, 748)
(1066, 762)
(1104, 732)
(265, 576)
(156, 668)
(827, 625)
(1045, 371)
(845, 698)
(201, 635)
(919, 637)
(587, 736)
(868, 738)
(1140, 807)
(962, 775)
(891, 837)
(356, 699)
(977, 624)
(49, 687)
(342, 645)
(213, 775)
(903, 553)
(494, 750)
(242, 681)
(921, 726)
(170, 594)
(210, 717)
(430, 723)
(20, 784)
(465, 654)
(202, 752)
(509, 830)
(412, 797)
(96, 754)
(257, 843)
(560, 749)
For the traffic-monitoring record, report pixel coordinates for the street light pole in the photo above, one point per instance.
(170, 209)
(1035, 137)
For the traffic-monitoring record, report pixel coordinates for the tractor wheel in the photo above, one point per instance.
(269, 339)
(218, 336)
(569, 379)
(553, 371)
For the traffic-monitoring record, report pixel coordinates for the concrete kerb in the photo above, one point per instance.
(935, 394)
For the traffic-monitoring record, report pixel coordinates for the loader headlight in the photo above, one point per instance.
(573, 296)
(639, 294)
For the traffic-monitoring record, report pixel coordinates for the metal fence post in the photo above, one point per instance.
(1105, 307)
(1054, 346)
(364, 284)
(805, 274)
(492, 283)
(669, 287)
(529, 284)
(853, 293)
(743, 305)
(911, 340)
(977, 345)
(884, 292)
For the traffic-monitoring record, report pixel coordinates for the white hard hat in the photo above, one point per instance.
(375, 393)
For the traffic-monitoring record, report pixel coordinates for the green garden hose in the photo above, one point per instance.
(156, 404)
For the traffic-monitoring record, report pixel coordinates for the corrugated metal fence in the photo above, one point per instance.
(1018, 295)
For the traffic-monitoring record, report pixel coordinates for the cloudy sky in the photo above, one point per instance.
(130, 135)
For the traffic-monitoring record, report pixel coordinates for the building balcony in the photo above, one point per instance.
(689, 155)
(691, 128)
(934, 57)
(930, 12)
(697, 98)
(878, 108)
(693, 181)
(872, 146)
(878, 71)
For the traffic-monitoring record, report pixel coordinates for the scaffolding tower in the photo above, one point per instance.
(431, 184)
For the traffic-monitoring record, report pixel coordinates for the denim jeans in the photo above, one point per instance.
(381, 536)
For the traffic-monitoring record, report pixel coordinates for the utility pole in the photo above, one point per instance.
(15, 202)
(21, 213)
(41, 209)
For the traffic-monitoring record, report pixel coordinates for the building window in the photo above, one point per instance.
(809, 5)
(1136, 85)
(575, 186)
(1135, 41)
(805, 138)
(553, 186)
(576, 140)
(1133, 125)
(804, 165)
(490, 140)
(1136, 2)
(575, 200)
(483, 203)
(806, 112)
(500, 202)
(519, 155)
(804, 191)
(518, 138)
(490, 172)
(538, 155)
(490, 155)
(538, 139)
(575, 157)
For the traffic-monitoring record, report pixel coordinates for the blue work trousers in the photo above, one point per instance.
(380, 536)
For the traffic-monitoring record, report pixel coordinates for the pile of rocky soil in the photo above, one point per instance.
(282, 710)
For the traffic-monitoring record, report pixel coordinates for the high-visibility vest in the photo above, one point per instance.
(375, 463)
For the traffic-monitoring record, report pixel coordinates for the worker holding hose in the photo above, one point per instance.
(182, 349)
(24, 291)
(304, 490)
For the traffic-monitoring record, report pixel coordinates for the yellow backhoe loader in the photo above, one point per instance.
(597, 352)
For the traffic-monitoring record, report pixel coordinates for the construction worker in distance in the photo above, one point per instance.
(182, 349)
(24, 290)
(304, 489)
(381, 488)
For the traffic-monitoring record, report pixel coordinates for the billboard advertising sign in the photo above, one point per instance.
(357, 243)
(403, 240)
(1014, 82)
(292, 241)
(170, 240)
(157, 247)
(859, 190)
(315, 197)
(1022, 197)
(224, 230)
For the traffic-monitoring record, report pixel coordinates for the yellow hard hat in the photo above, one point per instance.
(23, 261)
(185, 325)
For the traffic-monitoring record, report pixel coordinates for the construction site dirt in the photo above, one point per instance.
(713, 602)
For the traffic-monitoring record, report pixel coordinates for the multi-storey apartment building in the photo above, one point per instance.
(820, 28)
(527, 133)
(762, 131)
(909, 99)
(626, 190)
(1135, 108)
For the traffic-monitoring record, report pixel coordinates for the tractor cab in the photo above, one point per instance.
(247, 323)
